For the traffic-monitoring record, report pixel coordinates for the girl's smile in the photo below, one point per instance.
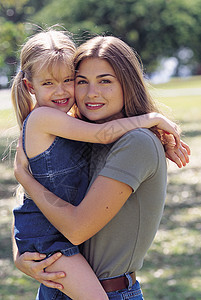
(54, 89)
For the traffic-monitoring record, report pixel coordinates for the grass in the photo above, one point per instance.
(172, 268)
(181, 83)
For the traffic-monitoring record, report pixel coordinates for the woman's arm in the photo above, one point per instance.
(80, 279)
(34, 264)
(76, 223)
(55, 122)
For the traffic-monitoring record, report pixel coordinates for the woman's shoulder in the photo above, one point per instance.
(141, 135)
(138, 142)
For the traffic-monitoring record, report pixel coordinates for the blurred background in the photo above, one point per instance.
(167, 36)
(165, 33)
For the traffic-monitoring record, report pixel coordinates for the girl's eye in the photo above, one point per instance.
(47, 83)
(69, 80)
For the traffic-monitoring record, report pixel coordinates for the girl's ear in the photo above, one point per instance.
(28, 85)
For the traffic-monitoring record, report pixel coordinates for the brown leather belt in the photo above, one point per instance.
(115, 284)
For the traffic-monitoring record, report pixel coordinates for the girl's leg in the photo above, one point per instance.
(80, 281)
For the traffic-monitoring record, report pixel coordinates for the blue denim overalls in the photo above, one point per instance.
(62, 169)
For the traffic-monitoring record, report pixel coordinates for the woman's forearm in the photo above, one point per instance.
(78, 223)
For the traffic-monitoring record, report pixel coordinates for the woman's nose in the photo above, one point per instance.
(92, 91)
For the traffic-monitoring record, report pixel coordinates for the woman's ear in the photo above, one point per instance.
(28, 85)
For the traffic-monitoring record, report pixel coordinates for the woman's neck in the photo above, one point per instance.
(119, 115)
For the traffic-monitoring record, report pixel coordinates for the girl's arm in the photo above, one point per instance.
(55, 122)
(76, 223)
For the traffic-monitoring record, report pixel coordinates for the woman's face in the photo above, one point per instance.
(98, 92)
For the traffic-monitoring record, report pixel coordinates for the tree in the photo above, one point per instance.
(155, 28)
(13, 31)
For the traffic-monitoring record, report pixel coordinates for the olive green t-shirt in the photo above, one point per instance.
(138, 160)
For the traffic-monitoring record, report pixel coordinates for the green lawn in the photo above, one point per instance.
(172, 268)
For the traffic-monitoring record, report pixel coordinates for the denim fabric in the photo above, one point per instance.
(62, 169)
(45, 293)
(134, 292)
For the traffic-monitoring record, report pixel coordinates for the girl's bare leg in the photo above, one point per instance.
(80, 282)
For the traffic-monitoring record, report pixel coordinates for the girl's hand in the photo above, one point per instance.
(167, 126)
(179, 155)
(31, 264)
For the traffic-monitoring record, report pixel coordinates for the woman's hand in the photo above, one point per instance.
(179, 155)
(31, 264)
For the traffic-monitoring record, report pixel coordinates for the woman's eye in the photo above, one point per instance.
(105, 81)
(81, 81)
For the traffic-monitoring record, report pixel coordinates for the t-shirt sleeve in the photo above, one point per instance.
(133, 158)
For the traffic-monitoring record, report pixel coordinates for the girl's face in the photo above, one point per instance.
(55, 89)
(98, 92)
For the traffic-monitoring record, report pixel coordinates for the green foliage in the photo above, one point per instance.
(13, 31)
(11, 38)
(155, 28)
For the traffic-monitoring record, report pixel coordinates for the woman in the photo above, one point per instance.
(119, 216)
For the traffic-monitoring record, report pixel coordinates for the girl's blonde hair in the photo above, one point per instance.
(43, 50)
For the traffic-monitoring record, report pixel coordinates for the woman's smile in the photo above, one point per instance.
(94, 106)
(98, 92)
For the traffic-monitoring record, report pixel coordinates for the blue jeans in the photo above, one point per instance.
(45, 293)
(133, 292)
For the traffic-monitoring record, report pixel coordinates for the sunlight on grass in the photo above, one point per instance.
(7, 119)
(181, 83)
(188, 215)
(184, 107)
(185, 243)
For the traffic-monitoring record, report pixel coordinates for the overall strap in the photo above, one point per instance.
(23, 135)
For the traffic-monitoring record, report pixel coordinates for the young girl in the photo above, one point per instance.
(57, 158)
